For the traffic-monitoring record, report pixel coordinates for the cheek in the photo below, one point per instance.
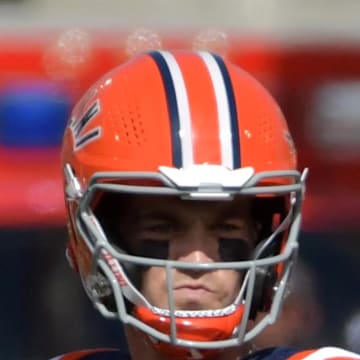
(153, 286)
(229, 283)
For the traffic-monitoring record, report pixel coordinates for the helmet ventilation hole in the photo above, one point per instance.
(128, 124)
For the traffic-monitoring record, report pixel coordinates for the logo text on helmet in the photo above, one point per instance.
(79, 124)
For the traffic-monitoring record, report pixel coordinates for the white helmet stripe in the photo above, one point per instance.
(222, 108)
(183, 107)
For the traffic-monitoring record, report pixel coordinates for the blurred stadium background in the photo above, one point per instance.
(307, 53)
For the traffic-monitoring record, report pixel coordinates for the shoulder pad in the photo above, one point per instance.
(94, 354)
(325, 353)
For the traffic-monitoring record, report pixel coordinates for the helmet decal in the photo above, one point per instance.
(78, 125)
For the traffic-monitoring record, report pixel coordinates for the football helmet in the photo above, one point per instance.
(192, 125)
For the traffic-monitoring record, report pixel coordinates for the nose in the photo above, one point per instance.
(196, 245)
(196, 256)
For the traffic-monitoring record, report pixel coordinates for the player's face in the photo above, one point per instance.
(194, 232)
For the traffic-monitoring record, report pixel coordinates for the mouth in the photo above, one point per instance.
(193, 297)
(192, 292)
(192, 287)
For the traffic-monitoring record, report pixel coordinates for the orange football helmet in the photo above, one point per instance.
(192, 125)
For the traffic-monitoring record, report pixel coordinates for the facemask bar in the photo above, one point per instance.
(97, 241)
(248, 286)
(111, 182)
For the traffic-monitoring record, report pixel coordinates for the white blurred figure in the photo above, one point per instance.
(70, 56)
(142, 40)
(212, 40)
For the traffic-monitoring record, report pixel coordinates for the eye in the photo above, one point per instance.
(161, 228)
(231, 229)
(227, 227)
(157, 230)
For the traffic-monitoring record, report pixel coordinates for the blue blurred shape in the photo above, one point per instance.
(33, 114)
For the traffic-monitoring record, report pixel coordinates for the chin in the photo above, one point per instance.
(196, 302)
(195, 306)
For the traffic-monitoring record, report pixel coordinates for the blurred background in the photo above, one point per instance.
(307, 53)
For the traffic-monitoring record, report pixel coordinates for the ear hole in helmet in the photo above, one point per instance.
(100, 288)
(265, 280)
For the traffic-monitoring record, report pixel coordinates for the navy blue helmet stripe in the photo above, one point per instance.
(172, 107)
(233, 112)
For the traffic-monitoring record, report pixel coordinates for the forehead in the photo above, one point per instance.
(150, 203)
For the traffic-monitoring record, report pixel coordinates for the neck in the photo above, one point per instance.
(140, 349)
